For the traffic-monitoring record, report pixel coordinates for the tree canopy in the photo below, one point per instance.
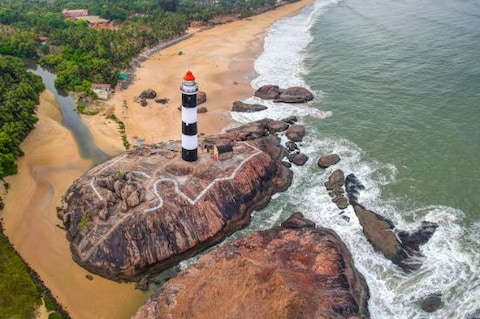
(79, 53)
(19, 97)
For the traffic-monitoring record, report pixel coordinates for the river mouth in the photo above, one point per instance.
(71, 118)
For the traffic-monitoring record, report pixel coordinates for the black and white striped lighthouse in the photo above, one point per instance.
(189, 118)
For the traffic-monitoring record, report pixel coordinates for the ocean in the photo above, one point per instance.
(397, 96)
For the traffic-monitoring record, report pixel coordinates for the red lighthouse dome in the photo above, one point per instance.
(189, 76)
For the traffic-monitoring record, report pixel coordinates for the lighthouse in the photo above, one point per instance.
(189, 118)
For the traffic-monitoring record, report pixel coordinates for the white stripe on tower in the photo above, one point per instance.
(189, 118)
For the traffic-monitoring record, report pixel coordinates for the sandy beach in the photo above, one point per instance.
(221, 59)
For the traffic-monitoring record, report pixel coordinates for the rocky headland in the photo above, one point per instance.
(147, 209)
(293, 271)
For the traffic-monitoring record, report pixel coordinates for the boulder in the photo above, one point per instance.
(201, 97)
(295, 132)
(268, 92)
(277, 126)
(334, 186)
(298, 159)
(432, 303)
(147, 209)
(291, 119)
(335, 180)
(296, 220)
(291, 146)
(328, 160)
(379, 231)
(148, 94)
(401, 247)
(162, 100)
(295, 94)
(239, 106)
(202, 109)
(295, 272)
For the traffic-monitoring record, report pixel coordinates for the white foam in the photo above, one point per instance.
(447, 267)
(451, 264)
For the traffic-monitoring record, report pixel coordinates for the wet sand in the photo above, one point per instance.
(221, 58)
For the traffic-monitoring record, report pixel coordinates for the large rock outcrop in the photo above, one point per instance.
(294, 271)
(239, 106)
(147, 209)
(334, 186)
(401, 247)
(295, 94)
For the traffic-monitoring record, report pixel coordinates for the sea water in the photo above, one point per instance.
(397, 96)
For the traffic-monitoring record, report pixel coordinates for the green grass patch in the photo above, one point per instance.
(121, 129)
(21, 289)
(19, 295)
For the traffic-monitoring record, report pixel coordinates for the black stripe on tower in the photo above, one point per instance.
(189, 129)
(189, 155)
(189, 100)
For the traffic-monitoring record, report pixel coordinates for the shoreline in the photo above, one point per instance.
(222, 60)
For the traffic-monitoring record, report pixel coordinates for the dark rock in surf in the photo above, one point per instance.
(298, 159)
(277, 126)
(432, 303)
(239, 106)
(474, 315)
(353, 186)
(401, 247)
(297, 220)
(334, 186)
(295, 94)
(291, 120)
(268, 92)
(379, 231)
(326, 161)
(291, 146)
(295, 132)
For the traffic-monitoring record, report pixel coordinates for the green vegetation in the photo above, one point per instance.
(20, 288)
(82, 226)
(80, 55)
(21, 291)
(19, 97)
(121, 128)
(119, 175)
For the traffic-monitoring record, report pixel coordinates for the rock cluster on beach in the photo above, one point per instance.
(293, 271)
(296, 94)
(275, 93)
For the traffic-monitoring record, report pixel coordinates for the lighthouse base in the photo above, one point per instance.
(189, 155)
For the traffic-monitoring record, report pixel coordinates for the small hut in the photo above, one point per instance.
(222, 152)
(102, 90)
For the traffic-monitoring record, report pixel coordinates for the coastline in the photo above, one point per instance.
(221, 59)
